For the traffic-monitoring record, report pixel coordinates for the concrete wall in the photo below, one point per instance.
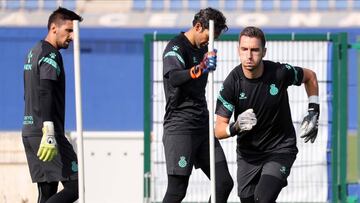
(15, 181)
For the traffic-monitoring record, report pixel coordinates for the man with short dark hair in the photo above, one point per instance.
(256, 92)
(50, 156)
(186, 64)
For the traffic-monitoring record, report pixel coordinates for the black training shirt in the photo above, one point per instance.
(43, 62)
(186, 108)
(267, 95)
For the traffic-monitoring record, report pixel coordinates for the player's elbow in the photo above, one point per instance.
(309, 75)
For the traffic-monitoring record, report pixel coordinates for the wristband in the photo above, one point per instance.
(195, 72)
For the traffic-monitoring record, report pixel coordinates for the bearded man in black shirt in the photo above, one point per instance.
(50, 156)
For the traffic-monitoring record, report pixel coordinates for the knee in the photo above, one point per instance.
(264, 197)
(72, 190)
(174, 197)
(225, 184)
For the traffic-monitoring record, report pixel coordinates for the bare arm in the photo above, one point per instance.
(310, 82)
(220, 127)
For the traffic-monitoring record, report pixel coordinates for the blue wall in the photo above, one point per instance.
(112, 76)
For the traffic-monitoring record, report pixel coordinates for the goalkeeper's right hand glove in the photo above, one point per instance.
(48, 149)
(206, 65)
(244, 122)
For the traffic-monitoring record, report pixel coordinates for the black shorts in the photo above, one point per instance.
(249, 173)
(184, 151)
(63, 167)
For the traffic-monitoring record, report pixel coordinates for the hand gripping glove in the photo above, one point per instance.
(245, 121)
(309, 126)
(47, 150)
(206, 65)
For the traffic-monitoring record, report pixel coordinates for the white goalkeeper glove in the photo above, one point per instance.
(48, 149)
(309, 126)
(244, 122)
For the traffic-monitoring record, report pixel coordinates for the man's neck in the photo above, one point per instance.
(254, 72)
(190, 36)
(50, 40)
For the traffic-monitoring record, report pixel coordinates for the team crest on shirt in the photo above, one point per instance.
(182, 162)
(74, 166)
(283, 170)
(273, 90)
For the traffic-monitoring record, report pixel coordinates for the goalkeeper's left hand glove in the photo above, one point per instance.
(309, 126)
(48, 149)
(206, 65)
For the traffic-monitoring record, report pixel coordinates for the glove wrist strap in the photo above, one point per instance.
(314, 99)
(230, 130)
(195, 72)
(49, 125)
(314, 107)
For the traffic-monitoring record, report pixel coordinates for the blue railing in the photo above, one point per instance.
(183, 5)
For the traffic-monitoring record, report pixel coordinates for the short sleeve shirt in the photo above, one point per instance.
(186, 108)
(268, 97)
(43, 62)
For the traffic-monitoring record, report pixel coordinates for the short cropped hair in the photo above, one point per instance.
(203, 17)
(253, 32)
(62, 14)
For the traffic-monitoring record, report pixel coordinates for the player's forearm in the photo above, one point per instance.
(179, 77)
(220, 128)
(310, 82)
(46, 99)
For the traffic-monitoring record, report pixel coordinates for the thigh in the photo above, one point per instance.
(279, 166)
(62, 167)
(248, 175)
(67, 159)
(178, 154)
(202, 155)
(36, 166)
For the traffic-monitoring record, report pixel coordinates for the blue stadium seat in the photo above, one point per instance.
(194, 5)
(176, 5)
(157, 5)
(230, 5)
(139, 4)
(285, 5)
(13, 4)
(267, 5)
(304, 5)
(31, 4)
(322, 5)
(50, 5)
(249, 5)
(357, 4)
(69, 4)
(341, 4)
(213, 3)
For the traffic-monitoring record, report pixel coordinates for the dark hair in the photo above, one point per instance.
(62, 14)
(203, 17)
(253, 32)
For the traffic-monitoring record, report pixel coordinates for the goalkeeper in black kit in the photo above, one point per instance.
(186, 64)
(51, 158)
(256, 93)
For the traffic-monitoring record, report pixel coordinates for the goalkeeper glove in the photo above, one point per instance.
(245, 121)
(206, 65)
(309, 126)
(47, 150)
